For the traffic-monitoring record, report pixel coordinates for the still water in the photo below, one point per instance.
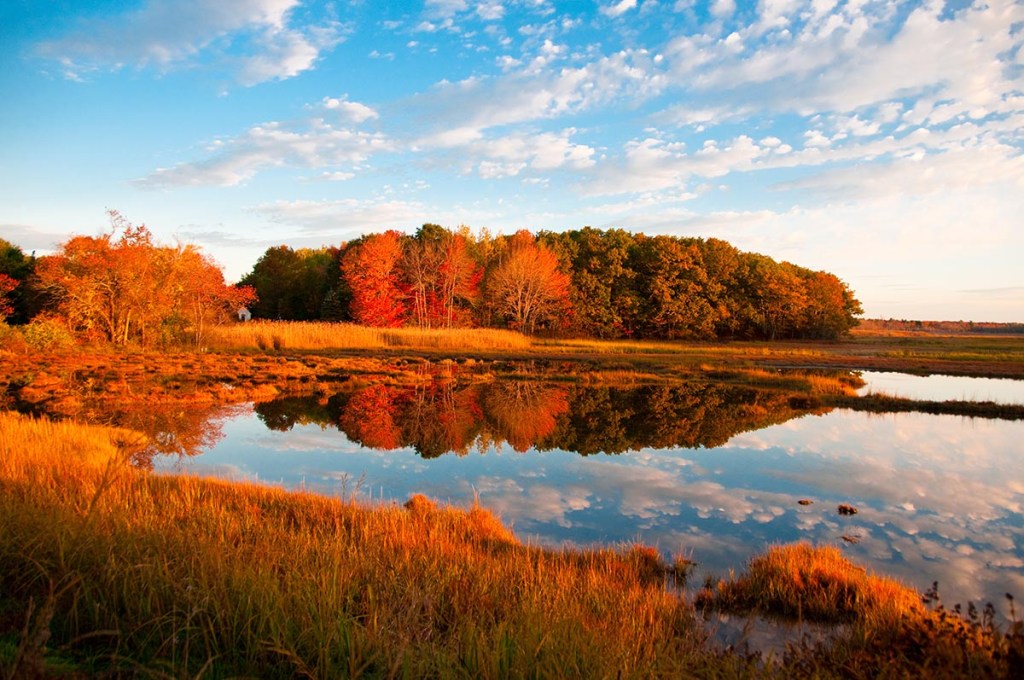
(943, 387)
(712, 472)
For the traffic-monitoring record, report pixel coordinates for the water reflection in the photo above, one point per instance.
(943, 387)
(172, 428)
(709, 470)
(443, 417)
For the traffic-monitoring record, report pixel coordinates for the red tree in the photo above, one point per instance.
(371, 271)
(7, 284)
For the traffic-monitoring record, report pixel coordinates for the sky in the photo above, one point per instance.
(882, 141)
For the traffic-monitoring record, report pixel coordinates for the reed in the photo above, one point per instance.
(282, 335)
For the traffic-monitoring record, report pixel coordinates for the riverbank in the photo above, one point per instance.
(108, 569)
(980, 355)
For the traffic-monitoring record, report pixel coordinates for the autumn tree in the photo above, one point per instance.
(672, 283)
(203, 297)
(773, 296)
(604, 296)
(831, 307)
(370, 268)
(123, 288)
(7, 285)
(526, 286)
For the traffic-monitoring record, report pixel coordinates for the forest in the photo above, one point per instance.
(123, 288)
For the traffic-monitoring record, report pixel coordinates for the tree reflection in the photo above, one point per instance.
(173, 428)
(443, 417)
(524, 414)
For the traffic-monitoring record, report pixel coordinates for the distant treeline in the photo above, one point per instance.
(942, 327)
(587, 282)
(123, 288)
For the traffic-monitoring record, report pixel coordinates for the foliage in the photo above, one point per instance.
(7, 285)
(17, 299)
(371, 268)
(527, 287)
(296, 285)
(123, 288)
(442, 278)
(46, 334)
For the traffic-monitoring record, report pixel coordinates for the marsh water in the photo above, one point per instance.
(712, 472)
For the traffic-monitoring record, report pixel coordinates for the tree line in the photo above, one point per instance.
(586, 282)
(125, 289)
(444, 417)
(120, 288)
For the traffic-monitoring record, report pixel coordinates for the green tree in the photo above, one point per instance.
(19, 268)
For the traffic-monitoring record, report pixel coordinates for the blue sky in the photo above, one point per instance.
(881, 141)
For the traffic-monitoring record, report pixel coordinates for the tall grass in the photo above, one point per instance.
(141, 572)
(280, 335)
(890, 630)
(813, 583)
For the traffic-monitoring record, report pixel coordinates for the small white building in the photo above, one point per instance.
(244, 314)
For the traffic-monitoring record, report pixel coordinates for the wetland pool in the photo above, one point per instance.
(715, 473)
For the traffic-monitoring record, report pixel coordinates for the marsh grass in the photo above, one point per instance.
(892, 631)
(812, 583)
(185, 576)
(287, 335)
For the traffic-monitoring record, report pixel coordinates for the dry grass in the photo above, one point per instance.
(890, 630)
(815, 584)
(281, 335)
(106, 570)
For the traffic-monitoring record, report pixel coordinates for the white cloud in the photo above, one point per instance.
(619, 8)
(354, 112)
(445, 8)
(527, 95)
(508, 155)
(346, 215)
(490, 10)
(313, 144)
(169, 33)
(353, 216)
(843, 57)
(723, 8)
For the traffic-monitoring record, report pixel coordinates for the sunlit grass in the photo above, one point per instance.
(287, 335)
(891, 630)
(813, 583)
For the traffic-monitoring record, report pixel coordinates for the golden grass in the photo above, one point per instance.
(816, 584)
(287, 335)
(891, 633)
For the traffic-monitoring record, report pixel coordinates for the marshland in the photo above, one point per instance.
(385, 504)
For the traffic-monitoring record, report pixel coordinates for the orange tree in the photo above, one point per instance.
(124, 289)
(526, 286)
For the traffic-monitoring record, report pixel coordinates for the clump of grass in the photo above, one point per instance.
(890, 632)
(811, 583)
